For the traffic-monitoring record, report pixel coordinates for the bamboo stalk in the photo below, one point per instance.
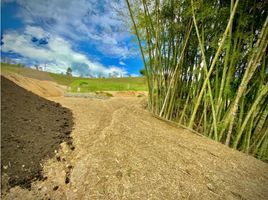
(190, 125)
(263, 92)
(260, 49)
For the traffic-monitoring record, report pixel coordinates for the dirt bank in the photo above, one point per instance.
(122, 152)
(43, 88)
(32, 128)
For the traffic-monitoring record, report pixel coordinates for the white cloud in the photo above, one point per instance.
(36, 31)
(82, 20)
(122, 63)
(56, 53)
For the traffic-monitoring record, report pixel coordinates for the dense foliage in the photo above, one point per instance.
(206, 64)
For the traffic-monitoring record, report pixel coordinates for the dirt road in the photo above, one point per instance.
(122, 152)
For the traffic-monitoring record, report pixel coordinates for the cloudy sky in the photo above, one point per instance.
(90, 36)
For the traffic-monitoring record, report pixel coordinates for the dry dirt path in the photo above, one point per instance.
(122, 152)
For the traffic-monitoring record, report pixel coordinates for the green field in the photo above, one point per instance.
(109, 84)
(77, 84)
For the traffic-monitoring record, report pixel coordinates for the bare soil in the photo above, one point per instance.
(32, 128)
(123, 152)
(41, 87)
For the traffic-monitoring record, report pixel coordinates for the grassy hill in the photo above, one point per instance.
(76, 84)
(25, 71)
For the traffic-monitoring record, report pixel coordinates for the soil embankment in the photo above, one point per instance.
(32, 128)
(40, 87)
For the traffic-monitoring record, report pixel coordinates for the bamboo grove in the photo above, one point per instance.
(206, 66)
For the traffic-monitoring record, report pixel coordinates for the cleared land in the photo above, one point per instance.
(123, 152)
(84, 84)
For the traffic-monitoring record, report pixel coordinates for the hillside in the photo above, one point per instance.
(123, 152)
(84, 84)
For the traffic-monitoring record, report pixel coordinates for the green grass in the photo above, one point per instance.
(63, 79)
(85, 84)
(11, 68)
(101, 84)
(25, 71)
(109, 84)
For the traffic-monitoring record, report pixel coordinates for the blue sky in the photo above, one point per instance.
(90, 36)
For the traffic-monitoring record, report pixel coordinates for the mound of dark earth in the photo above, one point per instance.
(32, 128)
